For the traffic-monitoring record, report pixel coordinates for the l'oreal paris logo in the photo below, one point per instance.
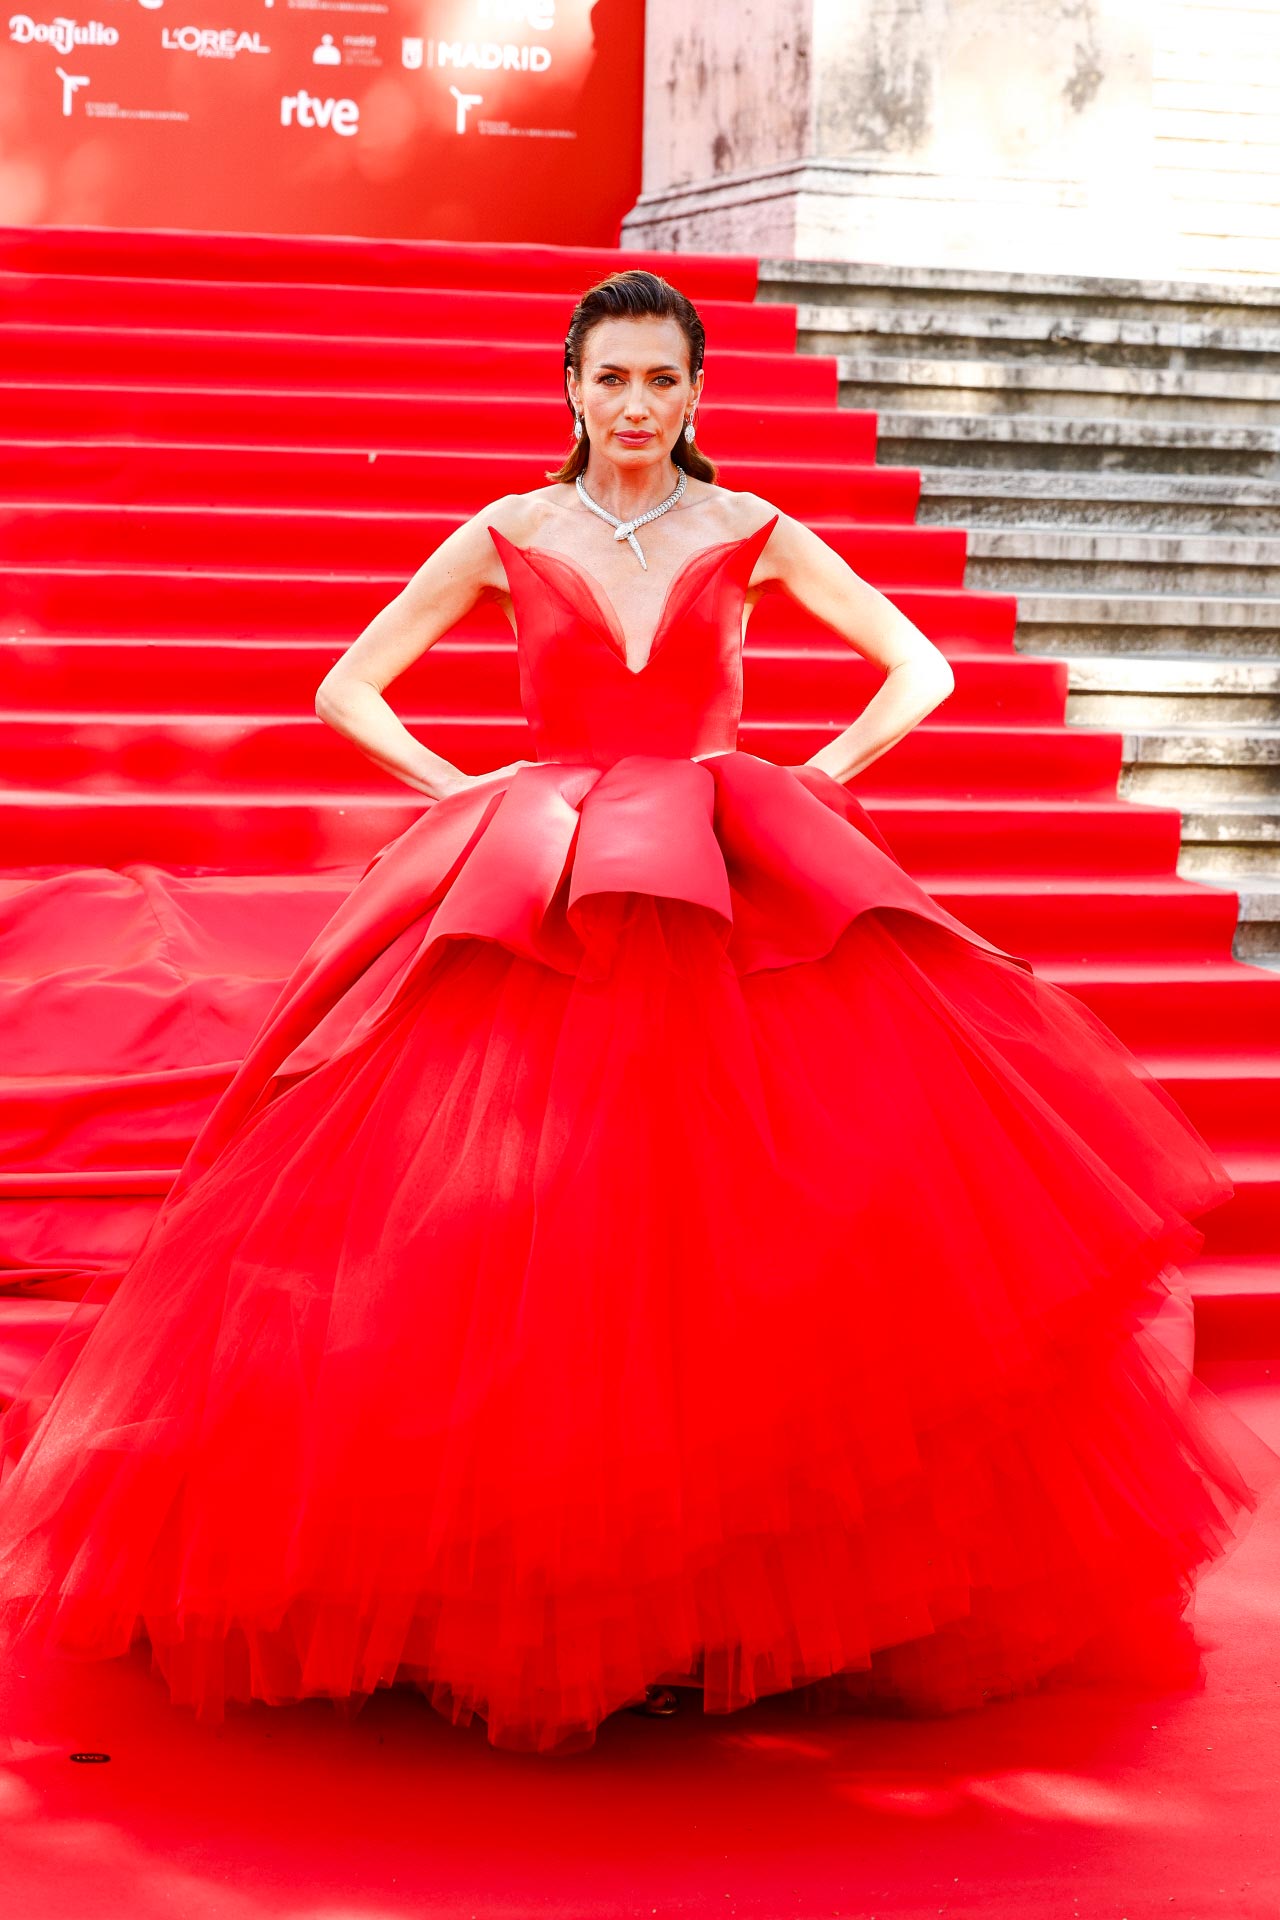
(218, 43)
(61, 34)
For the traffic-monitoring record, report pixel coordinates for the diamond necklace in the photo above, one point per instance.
(626, 529)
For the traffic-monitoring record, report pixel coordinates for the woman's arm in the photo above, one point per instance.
(463, 570)
(917, 676)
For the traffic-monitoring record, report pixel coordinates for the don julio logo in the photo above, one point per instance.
(62, 33)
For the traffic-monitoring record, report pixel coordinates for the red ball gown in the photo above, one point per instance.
(649, 1236)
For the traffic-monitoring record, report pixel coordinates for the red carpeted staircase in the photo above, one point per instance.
(219, 456)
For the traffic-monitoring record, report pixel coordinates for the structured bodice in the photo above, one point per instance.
(584, 704)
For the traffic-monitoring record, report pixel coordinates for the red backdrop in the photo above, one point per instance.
(438, 119)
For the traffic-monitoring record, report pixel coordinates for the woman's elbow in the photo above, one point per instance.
(944, 678)
(332, 697)
(937, 681)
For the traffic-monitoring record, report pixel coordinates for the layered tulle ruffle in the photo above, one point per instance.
(649, 1231)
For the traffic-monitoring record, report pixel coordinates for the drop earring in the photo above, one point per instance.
(688, 428)
(577, 426)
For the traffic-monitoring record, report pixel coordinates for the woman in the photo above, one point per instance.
(650, 1239)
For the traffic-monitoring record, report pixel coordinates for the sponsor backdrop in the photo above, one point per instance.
(433, 119)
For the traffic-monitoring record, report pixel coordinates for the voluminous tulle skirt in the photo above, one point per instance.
(574, 1329)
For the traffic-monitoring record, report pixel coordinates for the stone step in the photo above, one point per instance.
(1006, 559)
(1149, 690)
(1048, 337)
(1228, 836)
(1143, 502)
(973, 386)
(1258, 894)
(982, 290)
(1176, 764)
(1257, 932)
(1257, 935)
(1148, 623)
(907, 437)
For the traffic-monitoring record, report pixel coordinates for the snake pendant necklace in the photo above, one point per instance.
(626, 529)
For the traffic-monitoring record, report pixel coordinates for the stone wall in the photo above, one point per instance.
(1074, 135)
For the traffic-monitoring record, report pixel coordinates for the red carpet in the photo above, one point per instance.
(1082, 1803)
(219, 456)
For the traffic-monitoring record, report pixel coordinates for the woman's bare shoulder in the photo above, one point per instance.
(522, 517)
(469, 551)
(733, 514)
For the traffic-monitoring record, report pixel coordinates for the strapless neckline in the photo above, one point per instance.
(607, 614)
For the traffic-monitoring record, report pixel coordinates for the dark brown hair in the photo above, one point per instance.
(633, 295)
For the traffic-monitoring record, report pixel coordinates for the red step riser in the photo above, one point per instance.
(203, 677)
(373, 313)
(1233, 1014)
(338, 261)
(442, 424)
(103, 481)
(270, 753)
(248, 836)
(1194, 923)
(1248, 1224)
(1023, 840)
(1237, 1110)
(39, 536)
(461, 366)
(1246, 1329)
(132, 601)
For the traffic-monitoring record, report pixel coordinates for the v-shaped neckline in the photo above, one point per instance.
(607, 613)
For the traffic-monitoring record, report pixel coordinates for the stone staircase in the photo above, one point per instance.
(1113, 449)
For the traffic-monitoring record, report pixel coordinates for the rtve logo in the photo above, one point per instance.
(303, 109)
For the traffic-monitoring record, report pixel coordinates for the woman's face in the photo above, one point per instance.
(635, 392)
